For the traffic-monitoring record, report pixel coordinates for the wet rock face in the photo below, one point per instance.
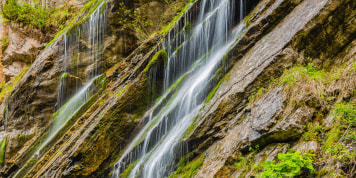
(105, 127)
(31, 105)
(280, 33)
(266, 120)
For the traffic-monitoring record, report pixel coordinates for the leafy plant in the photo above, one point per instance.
(289, 165)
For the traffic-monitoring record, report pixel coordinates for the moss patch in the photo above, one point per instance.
(2, 150)
(7, 88)
(160, 56)
(128, 170)
(88, 8)
(188, 169)
(165, 29)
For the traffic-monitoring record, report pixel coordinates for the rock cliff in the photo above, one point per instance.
(285, 88)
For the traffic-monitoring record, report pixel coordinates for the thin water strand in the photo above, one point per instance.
(198, 54)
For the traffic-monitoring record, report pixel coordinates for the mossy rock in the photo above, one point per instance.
(159, 58)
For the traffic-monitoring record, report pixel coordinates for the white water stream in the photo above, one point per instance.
(194, 54)
(92, 33)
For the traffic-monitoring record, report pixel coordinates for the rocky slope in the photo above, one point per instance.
(288, 84)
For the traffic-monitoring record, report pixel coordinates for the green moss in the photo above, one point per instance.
(219, 76)
(118, 94)
(64, 75)
(35, 145)
(345, 115)
(313, 132)
(212, 92)
(127, 171)
(166, 28)
(188, 169)
(88, 8)
(2, 150)
(190, 129)
(21, 139)
(4, 43)
(172, 87)
(242, 163)
(308, 73)
(8, 88)
(259, 93)
(158, 57)
(247, 21)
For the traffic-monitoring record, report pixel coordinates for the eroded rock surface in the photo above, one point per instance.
(279, 34)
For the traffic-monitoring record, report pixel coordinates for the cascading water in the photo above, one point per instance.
(194, 54)
(83, 46)
(91, 33)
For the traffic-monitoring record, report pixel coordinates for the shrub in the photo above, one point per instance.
(289, 165)
(346, 112)
(35, 17)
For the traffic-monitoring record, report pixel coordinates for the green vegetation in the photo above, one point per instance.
(188, 169)
(246, 164)
(212, 93)
(307, 73)
(242, 163)
(2, 150)
(160, 56)
(336, 140)
(88, 8)
(134, 20)
(21, 140)
(346, 113)
(64, 75)
(289, 165)
(313, 132)
(342, 136)
(190, 129)
(7, 88)
(118, 94)
(247, 21)
(259, 93)
(164, 30)
(4, 43)
(129, 168)
(40, 17)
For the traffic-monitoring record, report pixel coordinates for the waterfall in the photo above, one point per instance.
(194, 55)
(73, 66)
(80, 79)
